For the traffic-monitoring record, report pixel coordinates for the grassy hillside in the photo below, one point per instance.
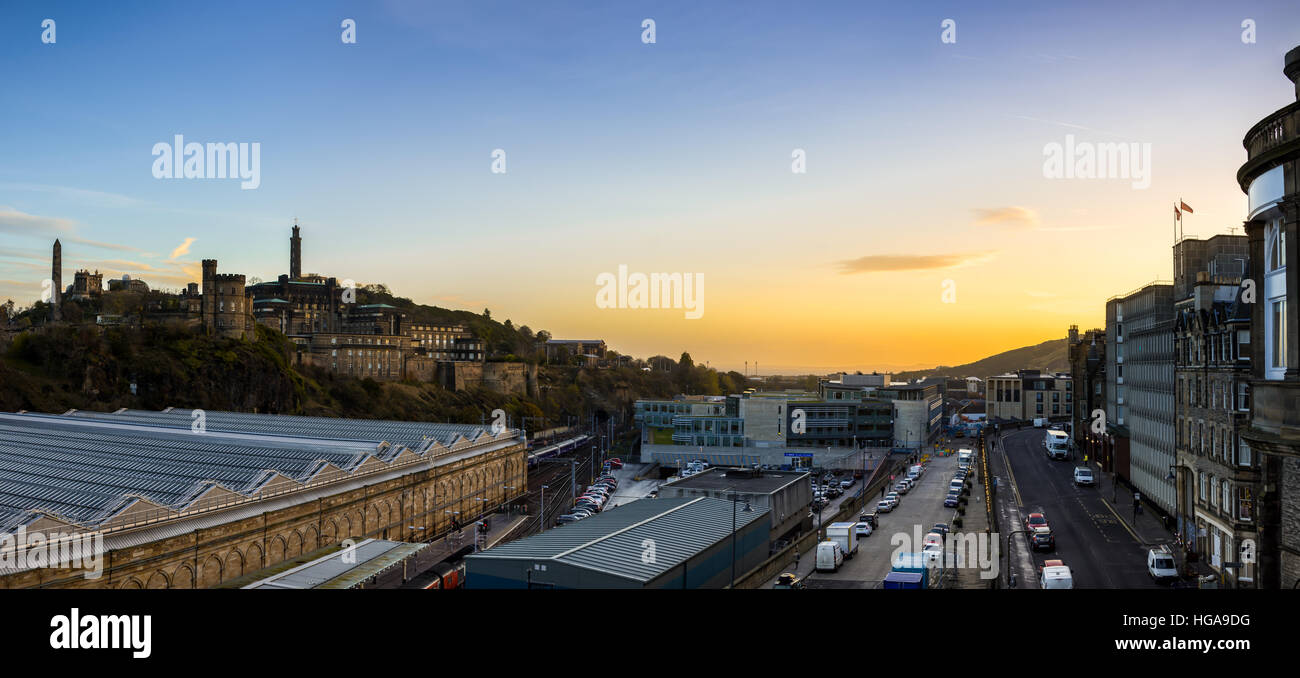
(57, 368)
(1048, 356)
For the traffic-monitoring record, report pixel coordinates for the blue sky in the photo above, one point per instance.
(673, 156)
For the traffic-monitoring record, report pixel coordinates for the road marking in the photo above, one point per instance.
(1121, 522)
(1007, 463)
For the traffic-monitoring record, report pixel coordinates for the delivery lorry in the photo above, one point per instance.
(844, 534)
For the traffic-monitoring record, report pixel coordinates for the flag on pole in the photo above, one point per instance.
(1177, 215)
(1186, 208)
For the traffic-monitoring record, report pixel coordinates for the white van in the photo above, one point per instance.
(1056, 577)
(1160, 565)
(829, 556)
(956, 485)
(1040, 422)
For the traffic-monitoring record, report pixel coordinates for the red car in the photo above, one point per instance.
(1035, 520)
(616, 463)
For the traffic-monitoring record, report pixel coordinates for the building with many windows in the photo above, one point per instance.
(1270, 178)
(1029, 394)
(1217, 476)
(1140, 389)
(1087, 356)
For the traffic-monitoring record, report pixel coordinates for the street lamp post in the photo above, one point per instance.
(541, 512)
(735, 498)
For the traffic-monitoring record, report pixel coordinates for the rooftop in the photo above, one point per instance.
(740, 480)
(367, 559)
(106, 471)
(611, 541)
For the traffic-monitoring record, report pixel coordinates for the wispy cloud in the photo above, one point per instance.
(877, 263)
(22, 223)
(1017, 216)
(182, 249)
(98, 197)
(1068, 125)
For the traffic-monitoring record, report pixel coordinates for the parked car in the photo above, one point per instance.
(869, 518)
(846, 483)
(1042, 539)
(862, 529)
(894, 497)
(1035, 520)
(901, 488)
(884, 506)
(941, 528)
(932, 541)
(1083, 476)
(566, 519)
(615, 463)
(951, 501)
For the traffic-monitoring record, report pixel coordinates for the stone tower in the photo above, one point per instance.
(225, 307)
(295, 255)
(56, 275)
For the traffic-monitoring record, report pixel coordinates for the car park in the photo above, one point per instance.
(1042, 540)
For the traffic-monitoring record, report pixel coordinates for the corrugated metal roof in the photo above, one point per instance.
(342, 569)
(408, 433)
(614, 541)
(84, 468)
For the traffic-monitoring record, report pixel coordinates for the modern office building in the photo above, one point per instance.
(1140, 389)
(1029, 394)
(918, 411)
(1270, 178)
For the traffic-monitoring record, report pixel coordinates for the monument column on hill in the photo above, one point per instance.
(295, 255)
(56, 276)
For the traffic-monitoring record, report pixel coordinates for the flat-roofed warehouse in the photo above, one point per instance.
(184, 498)
(682, 543)
(786, 493)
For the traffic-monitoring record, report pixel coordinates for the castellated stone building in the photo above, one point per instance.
(225, 307)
